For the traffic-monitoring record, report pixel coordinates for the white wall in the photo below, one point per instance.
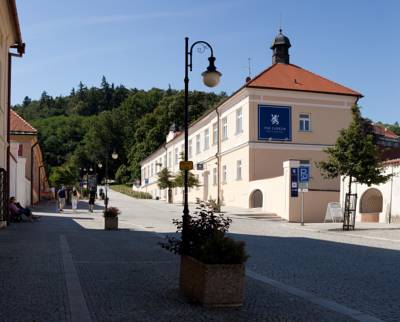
(390, 194)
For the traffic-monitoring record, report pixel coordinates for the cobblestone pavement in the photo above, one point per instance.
(66, 268)
(357, 269)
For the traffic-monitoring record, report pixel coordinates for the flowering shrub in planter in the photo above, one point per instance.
(212, 270)
(111, 218)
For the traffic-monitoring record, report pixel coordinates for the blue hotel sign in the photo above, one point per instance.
(274, 123)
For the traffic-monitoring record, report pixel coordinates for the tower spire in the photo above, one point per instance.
(280, 49)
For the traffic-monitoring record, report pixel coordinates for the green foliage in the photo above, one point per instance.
(84, 127)
(123, 174)
(128, 191)
(62, 176)
(354, 154)
(206, 239)
(165, 179)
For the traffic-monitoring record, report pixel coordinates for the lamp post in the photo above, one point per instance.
(211, 78)
(114, 155)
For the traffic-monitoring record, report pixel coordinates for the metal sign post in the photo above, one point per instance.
(304, 178)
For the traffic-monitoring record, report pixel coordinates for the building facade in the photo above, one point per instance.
(378, 203)
(28, 179)
(10, 45)
(243, 149)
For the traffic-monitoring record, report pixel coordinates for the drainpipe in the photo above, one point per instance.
(32, 159)
(20, 51)
(217, 155)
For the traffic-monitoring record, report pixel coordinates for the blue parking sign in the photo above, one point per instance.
(304, 174)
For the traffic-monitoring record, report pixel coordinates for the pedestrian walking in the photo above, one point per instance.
(75, 198)
(61, 198)
(92, 198)
(53, 192)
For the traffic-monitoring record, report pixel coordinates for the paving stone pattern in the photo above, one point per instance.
(124, 276)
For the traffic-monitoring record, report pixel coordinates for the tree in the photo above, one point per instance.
(63, 176)
(180, 179)
(123, 175)
(166, 181)
(354, 155)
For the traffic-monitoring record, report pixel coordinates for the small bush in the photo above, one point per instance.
(111, 212)
(206, 238)
(127, 190)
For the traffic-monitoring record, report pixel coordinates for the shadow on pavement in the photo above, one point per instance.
(126, 276)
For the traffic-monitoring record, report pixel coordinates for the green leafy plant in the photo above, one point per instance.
(207, 240)
(111, 212)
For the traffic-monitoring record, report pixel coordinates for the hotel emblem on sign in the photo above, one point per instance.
(274, 123)
(275, 119)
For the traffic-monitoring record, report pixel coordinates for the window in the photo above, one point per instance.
(224, 174)
(152, 169)
(239, 121)
(165, 160)
(169, 159)
(20, 150)
(190, 149)
(224, 128)
(206, 139)
(239, 170)
(176, 156)
(182, 155)
(304, 123)
(214, 176)
(197, 143)
(215, 133)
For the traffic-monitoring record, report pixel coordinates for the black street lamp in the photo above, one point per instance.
(211, 78)
(114, 155)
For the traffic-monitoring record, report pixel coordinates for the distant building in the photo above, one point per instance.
(387, 141)
(28, 179)
(10, 45)
(245, 148)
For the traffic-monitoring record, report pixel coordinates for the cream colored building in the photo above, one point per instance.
(10, 45)
(377, 203)
(282, 118)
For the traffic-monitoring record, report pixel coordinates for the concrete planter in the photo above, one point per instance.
(212, 285)
(110, 223)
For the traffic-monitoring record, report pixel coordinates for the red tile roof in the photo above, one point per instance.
(392, 162)
(383, 131)
(19, 125)
(292, 77)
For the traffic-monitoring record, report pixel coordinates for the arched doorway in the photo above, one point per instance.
(371, 204)
(256, 199)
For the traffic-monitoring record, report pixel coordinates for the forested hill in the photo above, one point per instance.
(79, 130)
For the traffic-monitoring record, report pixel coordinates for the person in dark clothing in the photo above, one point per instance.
(61, 198)
(92, 198)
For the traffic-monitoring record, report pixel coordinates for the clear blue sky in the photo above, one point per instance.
(140, 43)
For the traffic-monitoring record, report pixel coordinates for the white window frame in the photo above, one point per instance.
(224, 174)
(224, 123)
(190, 149)
(214, 176)
(239, 120)
(198, 144)
(206, 139)
(176, 158)
(215, 133)
(303, 119)
(239, 167)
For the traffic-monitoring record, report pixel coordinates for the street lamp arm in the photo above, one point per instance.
(200, 50)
